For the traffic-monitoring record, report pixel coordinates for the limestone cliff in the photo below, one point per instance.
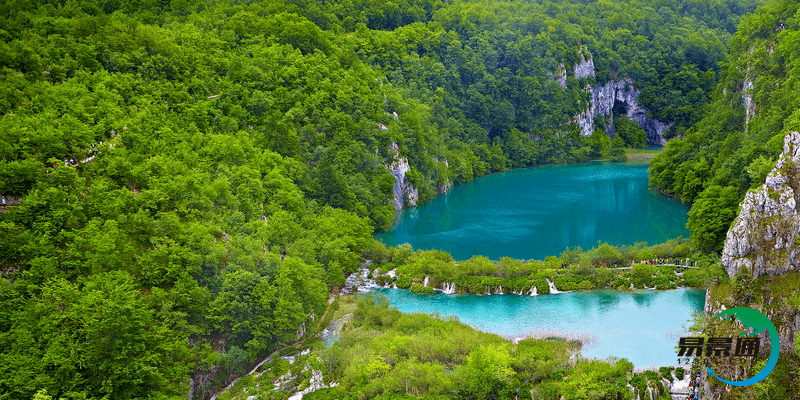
(620, 96)
(624, 96)
(405, 194)
(585, 67)
(764, 237)
(561, 75)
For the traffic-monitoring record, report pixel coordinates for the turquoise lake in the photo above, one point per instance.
(643, 326)
(537, 212)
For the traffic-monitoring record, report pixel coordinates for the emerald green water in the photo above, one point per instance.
(537, 212)
(642, 326)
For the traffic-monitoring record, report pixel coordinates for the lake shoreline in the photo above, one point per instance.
(534, 212)
(642, 326)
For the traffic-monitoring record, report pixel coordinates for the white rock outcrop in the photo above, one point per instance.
(585, 67)
(764, 236)
(623, 94)
(561, 75)
(405, 194)
(619, 93)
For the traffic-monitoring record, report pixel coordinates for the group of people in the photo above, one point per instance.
(694, 387)
(672, 261)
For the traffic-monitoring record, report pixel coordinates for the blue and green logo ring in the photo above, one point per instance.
(758, 321)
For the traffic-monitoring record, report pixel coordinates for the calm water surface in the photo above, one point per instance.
(537, 212)
(642, 326)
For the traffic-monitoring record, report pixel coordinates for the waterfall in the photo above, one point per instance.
(488, 290)
(553, 289)
(449, 288)
(650, 391)
(499, 290)
(425, 282)
(533, 291)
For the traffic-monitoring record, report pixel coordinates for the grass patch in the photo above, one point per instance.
(641, 156)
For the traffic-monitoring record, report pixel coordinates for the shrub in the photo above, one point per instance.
(418, 288)
(585, 285)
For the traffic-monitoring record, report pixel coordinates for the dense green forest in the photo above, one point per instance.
(184, 182)
(738, 140)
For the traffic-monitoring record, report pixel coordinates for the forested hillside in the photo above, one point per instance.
(183, 182)
(741, 135)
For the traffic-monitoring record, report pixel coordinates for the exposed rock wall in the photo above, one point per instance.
(585, 67)
(620, 93)
(764, 239)
(561, 75)
(747, 97)
(764, 236)
(623, 94)
(405, 194)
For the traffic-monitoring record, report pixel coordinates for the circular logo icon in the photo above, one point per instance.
(758, 322)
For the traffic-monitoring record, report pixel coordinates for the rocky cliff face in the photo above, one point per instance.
(585, 67)
(623, 95)
(747, 97)
(561, 75)
(620, 94)
(765, 237)
(404, 192)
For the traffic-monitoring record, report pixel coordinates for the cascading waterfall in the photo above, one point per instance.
(650, 391)
(553, 289)
(667, 385)
(499, 290)
(425, 282)
(534, 292)
(488, 290)
(449, 288)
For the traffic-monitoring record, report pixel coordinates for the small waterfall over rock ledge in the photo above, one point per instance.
(449, 288)
(552, 285)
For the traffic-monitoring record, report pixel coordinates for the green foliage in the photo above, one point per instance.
(732, 146)
(418, 288)
(662, 266)
(605, 254)
(630, 132)
(711, 215)
(73, 336)
(422, 356)
(758, 170)
(797, 343)
(596, 379)
(206, 172)
(487, 372)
